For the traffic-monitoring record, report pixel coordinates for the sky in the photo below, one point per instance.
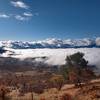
(42, 19)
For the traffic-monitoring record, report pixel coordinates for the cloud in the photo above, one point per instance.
(19, 4)
(28, 14)
(21, 18)
(4, 16)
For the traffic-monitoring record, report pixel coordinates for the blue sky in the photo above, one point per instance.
(41, 19)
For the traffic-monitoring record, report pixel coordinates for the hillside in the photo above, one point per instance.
(89, 91)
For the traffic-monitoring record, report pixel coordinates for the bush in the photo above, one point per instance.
(57, 81)
(66, 97)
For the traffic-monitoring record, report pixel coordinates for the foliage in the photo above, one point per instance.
(66, 97)
(3, 93)
(78, 69)
(57, 81)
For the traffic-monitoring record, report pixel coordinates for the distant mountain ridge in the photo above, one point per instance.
(52, 43)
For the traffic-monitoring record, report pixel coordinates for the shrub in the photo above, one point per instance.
(66, 97)
(57, 81)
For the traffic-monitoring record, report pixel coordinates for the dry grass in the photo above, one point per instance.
(90, 91)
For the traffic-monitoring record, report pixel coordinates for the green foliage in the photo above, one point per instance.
(64, 71)
(77, 68)
(76, 60)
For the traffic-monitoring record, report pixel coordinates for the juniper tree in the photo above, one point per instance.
(78, 69)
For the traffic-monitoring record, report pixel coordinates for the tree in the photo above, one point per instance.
(57, 81)
(38, 87)
(78, 69)
(3, 93)
(76, 59)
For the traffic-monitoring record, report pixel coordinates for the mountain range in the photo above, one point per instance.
(52, 43)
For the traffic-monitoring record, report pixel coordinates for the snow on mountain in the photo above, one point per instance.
(98, 41)
(39, 50)
(80, 42)
(51, 43)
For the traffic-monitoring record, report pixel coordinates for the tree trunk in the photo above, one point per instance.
(32, 95)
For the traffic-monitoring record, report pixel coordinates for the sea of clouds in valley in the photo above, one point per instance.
(55, 56)
(55, 50)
